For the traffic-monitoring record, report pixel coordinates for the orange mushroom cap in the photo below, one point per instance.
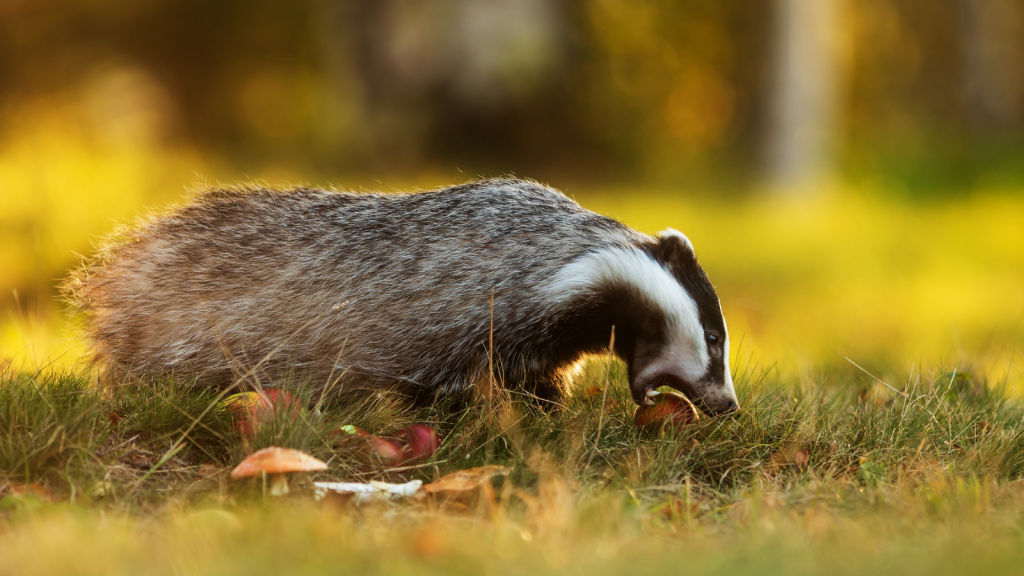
(276, 460)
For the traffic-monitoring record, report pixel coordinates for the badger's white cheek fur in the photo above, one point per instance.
(686, 353)
(728, 371)
(687, 348)
(685, 361)
(686, 357)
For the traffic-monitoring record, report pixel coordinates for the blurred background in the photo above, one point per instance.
(851, 171)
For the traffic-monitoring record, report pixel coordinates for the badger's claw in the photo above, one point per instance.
(652, 393)
(648, 402)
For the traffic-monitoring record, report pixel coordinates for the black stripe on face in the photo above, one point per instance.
(586, 324)
(641, 329)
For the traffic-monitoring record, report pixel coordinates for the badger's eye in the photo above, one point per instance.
(715, 345)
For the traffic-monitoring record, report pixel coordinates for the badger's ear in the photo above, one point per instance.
(674, 247)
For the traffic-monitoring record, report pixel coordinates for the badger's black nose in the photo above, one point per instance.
(731, 407)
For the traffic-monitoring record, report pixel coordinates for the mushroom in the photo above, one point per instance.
(278, 463)
(419, 443)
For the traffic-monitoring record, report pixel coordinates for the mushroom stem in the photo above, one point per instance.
(278, 484)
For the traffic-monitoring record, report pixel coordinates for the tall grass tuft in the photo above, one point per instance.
(50, 427)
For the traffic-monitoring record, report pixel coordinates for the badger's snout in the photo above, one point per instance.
(718, 401)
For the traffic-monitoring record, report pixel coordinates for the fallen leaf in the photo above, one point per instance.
(31, 489)
(101, 489)
(675, 509)
(801, 458)
(338, 501)
(789, 454)
(465, 480)
(208, 469)
(138, 459)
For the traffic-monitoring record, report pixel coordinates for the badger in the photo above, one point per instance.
(426, 292)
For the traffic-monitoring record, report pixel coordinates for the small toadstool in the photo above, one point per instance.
(278, 463)
(419, 443)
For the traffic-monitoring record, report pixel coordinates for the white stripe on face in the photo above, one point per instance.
(686, 348)
(725, 357)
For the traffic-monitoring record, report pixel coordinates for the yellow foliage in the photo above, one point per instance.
(805, 280)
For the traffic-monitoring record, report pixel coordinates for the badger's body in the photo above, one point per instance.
(396, 290)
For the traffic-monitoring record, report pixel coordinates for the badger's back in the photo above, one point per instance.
(378, 287)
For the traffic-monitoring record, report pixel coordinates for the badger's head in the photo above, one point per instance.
(669, 326)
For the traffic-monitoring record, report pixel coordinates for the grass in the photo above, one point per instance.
(840, 472)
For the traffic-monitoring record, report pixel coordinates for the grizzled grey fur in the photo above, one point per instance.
(379, 289)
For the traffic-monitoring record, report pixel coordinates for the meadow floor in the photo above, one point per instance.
(824, 470)
(839, 474)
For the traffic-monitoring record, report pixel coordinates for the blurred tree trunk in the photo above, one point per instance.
(993, 75)
(801, 134)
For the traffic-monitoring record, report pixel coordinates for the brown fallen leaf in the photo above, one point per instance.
(31, 489)
(790, 454)
(208, 469)
(339, 501)
(801, 458)
(101, 489)
(138, 459)
(597, 394)
(465, 480)
(674, 509)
